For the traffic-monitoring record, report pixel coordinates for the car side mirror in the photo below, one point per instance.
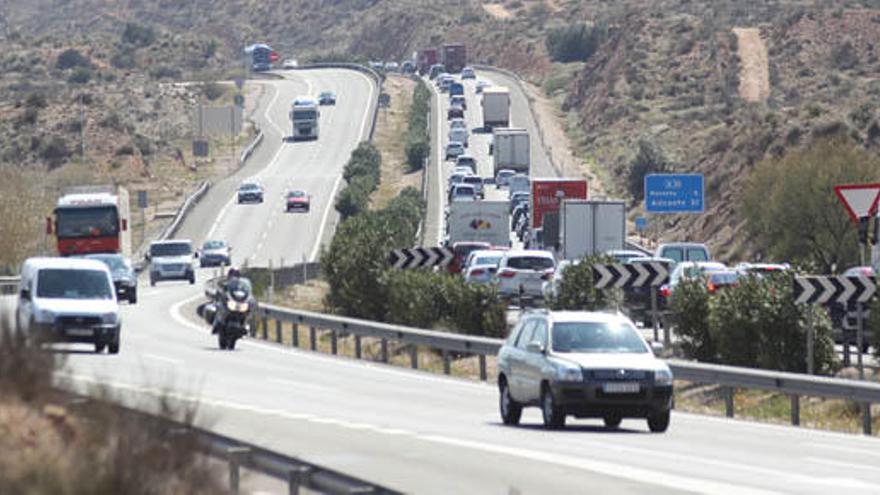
(25, 294)
(657, 348)
(536, 347)
(147, 256)
(196, 254)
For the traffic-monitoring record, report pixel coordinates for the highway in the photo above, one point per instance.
(410, 430)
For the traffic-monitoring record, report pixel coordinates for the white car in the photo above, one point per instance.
(69, 300)
(172, 260)
(502, 178)
(457, 124)
(480, 266)
(468, 73)
(467, 161)
(550, 288)
(524, 273)
(289, 64)
(462, 170)
(477, 182)
(459, 136)
(462, 192)
(457, 177)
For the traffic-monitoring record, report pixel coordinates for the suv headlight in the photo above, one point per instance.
(663, 377)
(109, 318)
(568, 372)
(44, 316)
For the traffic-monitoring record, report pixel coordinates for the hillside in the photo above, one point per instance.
(708, 86)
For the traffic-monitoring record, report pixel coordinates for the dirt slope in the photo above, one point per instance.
(754, 75)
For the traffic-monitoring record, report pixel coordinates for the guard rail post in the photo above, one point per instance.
(728, 401)
(296, 478)
(265, 325)
(414, 356)
(296, 335)
(313, 338)
(384, 350)
(446, 363)
(795, 410)
(866, 418)
(333, 342)
(483, 375)
(357, 346)
(279, 331)
(235, 455)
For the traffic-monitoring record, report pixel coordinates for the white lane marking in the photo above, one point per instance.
(156, 357)
(440, 158)
(849, 450)
(394, 431)
(181, 320)
(332, 197)
(270, 106)
(617, 470)
(869, 442)
(302, 385)
(847, 465)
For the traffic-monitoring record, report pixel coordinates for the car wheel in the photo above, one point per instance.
(133, 297)
(221, 340)
(113, 347)
(658, 423)
(511, 411)
(192, 279)
(152, 281)
(99, 347)
(612, 420)
(554, 418)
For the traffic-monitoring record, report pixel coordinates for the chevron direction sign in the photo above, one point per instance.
(823, 290)
(420, 257)
(636, 274)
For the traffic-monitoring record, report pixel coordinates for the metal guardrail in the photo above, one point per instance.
(9, 285)
(297, 473)
(194, 198)
(250, 149)
(729, 377)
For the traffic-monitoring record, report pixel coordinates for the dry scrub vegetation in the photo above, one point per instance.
(55, 446)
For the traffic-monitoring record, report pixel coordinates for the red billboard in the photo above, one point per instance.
(546, 194)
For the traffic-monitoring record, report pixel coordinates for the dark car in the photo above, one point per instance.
(723, 279)
(455, 113)
(327, 98)
(250, 192)
(582, 364)
(124, 277)
(297, 201)
(215, 253)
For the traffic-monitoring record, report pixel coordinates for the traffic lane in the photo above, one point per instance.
(343, 126)
(198, 224)
(462, 416)
(521, 116)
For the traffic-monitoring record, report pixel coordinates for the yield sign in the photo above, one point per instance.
(860, 199)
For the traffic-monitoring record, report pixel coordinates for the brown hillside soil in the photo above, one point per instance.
(754, 75)
(497, 10)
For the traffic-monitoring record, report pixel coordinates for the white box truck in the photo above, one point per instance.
(481, 221)
(511, 150)
(592, 227)
(496, 107)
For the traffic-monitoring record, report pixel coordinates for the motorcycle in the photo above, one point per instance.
(230, 313)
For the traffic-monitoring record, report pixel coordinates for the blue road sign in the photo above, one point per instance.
(641, 223)
(674, 193)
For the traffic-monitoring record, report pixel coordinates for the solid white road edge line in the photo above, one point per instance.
(330, 200)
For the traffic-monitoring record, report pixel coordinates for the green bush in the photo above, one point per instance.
(689, 316)
(417, 145)
(70, 58)
(649, 160)
(575, 42)
(355, 198)
(138, 35)
(577, 292)
(81, 75)
(755, 324)
(362, 172)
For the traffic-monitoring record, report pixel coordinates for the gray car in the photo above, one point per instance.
(124, 277)
(582, 364)
(215, 253)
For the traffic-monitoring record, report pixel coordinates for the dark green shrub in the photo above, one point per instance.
(81, 75)
(689, 316)
(577, 292)
(575, 42)
(138, 35)
(70, 58)
(417, 144)
(355, 198)
(649, 160)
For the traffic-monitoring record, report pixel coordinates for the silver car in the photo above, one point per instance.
(582, 364)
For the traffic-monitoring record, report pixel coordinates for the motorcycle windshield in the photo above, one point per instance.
(239, 289)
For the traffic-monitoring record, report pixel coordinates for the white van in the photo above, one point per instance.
(69, 300)
(172, 260)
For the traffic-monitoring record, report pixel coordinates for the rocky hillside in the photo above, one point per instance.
(703, 85)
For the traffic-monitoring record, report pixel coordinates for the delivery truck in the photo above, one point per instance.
(496, 107)
(592, 227)
(479, 221)
(426, 58)
(511, 150)
(547, 193)
(454, 57)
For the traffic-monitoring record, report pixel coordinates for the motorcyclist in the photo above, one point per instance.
(231, 276)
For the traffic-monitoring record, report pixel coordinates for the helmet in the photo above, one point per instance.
(233, 272)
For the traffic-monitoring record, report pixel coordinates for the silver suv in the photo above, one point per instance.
(172, 260)
(584, 364)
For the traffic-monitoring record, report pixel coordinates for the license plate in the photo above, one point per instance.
(80, 332)
(620, 388)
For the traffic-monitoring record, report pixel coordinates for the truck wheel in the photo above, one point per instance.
(99, 347)
(133, 297)
(113, 347)
(612, 420)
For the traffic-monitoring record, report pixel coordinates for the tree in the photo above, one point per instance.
(791, 210)
(649, 160)
(71, 58)
(575, 42)
(138, 35)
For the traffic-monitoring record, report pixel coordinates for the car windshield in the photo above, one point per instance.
(326, 94)
(214, 245)
(464, 191)
(697, 254)
(724, 278)
(530, 262)
(296, 194)
(305, 115)
(170, 249)
(604, 337)
(87, 222)
(249, 186)
(57, 283)
(113, 262)
(487, 260)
